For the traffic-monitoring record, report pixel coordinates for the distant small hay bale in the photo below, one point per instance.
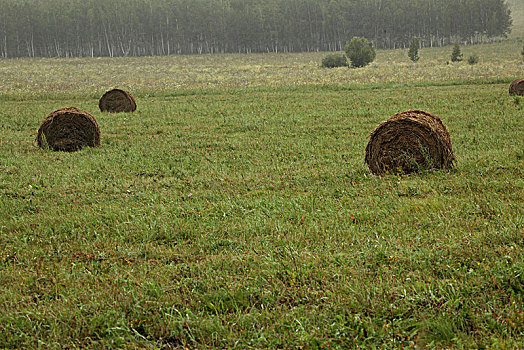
(408, 142)
(517, 87)
(117, 101)
(69, 130)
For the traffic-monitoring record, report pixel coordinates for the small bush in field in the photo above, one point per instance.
(413, 50)
(456, 55)
(360, 52)
(334, 60)
(473, 59)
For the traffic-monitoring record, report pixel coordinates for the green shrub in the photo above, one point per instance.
(473, 59)
(360, 52)
(334, 60)
(456, 55)
(413, 50)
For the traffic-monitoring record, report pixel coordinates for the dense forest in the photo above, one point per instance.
(65, 28)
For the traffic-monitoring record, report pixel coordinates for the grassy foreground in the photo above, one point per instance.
(243, 215)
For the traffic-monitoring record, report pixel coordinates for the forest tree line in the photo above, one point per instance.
(76, 28)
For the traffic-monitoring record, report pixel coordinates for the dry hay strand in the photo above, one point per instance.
(117, 101)
(68, 129)
(517, 87)
(408, 142)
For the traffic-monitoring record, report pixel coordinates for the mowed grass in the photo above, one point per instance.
(245, 216)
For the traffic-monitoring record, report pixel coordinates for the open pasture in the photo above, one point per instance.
(234, 207)
(59, 79)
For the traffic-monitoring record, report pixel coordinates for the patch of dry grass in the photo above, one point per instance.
(66, 78)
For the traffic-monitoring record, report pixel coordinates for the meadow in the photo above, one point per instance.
(234, 208)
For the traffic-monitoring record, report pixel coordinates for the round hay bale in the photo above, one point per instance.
(517, 87)
(408, 142)
(68, 129)
(117, 101)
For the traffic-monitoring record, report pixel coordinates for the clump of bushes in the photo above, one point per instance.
(456, 55)
(473, 59)
(334, 61)
(360, 52)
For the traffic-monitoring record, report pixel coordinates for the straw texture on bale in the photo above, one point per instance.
(117, 101)
(68, 129)
(517, 87)
(407, 142)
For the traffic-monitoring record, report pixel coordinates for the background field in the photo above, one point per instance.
(179, 75)
(234, 208)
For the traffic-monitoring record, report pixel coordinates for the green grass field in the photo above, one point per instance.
(234, 208)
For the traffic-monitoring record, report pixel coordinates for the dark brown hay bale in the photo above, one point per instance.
(68, 129)
(517, 87)
(407, 142)
(116, 101)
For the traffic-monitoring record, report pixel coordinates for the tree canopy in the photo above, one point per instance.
(63, 28)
